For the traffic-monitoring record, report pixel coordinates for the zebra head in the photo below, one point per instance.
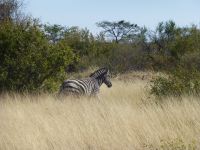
(103, 76)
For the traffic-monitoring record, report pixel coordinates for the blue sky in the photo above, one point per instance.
(85, 13)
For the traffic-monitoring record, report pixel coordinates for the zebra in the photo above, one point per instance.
(88, 86)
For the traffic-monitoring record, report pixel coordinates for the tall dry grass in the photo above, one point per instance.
(125, 117)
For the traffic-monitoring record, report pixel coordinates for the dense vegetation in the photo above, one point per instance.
(37, 56)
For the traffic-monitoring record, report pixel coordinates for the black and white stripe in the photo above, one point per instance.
(88, 86)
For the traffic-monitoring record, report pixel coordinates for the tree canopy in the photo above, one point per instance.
(120, 30)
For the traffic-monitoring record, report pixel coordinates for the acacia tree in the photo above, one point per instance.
(120, 30)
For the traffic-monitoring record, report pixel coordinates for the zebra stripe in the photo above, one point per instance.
(88, 86)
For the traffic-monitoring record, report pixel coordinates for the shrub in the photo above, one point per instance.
(180, 81)
(173, 144)
(118, 57)
(28, 59)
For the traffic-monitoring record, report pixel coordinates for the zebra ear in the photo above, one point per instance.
(106, 70)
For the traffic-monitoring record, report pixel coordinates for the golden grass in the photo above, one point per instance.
(125, 117)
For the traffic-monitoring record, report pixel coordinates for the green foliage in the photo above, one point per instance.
(54, 33)
(28, 59)
(78, 39)
(119, 31)
(182, 65)
(173, 144)
(177, 144)
(37, 57)
(118, 57)
(181, 81)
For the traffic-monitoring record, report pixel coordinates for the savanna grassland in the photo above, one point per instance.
(143, 109)
(125, 117)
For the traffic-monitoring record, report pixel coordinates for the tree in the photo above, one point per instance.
(54, 32)
(10, 10)
(28, 61)
(80, 42)
(164, 36)
(78, 39)
(120, 30)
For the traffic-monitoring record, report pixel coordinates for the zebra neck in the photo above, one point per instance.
(100, 81)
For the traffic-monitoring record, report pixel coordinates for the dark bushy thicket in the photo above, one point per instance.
(27, 59)
(118, 57)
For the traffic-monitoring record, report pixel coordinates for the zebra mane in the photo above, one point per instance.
(99, 72)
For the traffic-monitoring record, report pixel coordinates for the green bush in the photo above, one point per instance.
(181, 81)
(173, 144)
(118, 57)
(28, 60)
